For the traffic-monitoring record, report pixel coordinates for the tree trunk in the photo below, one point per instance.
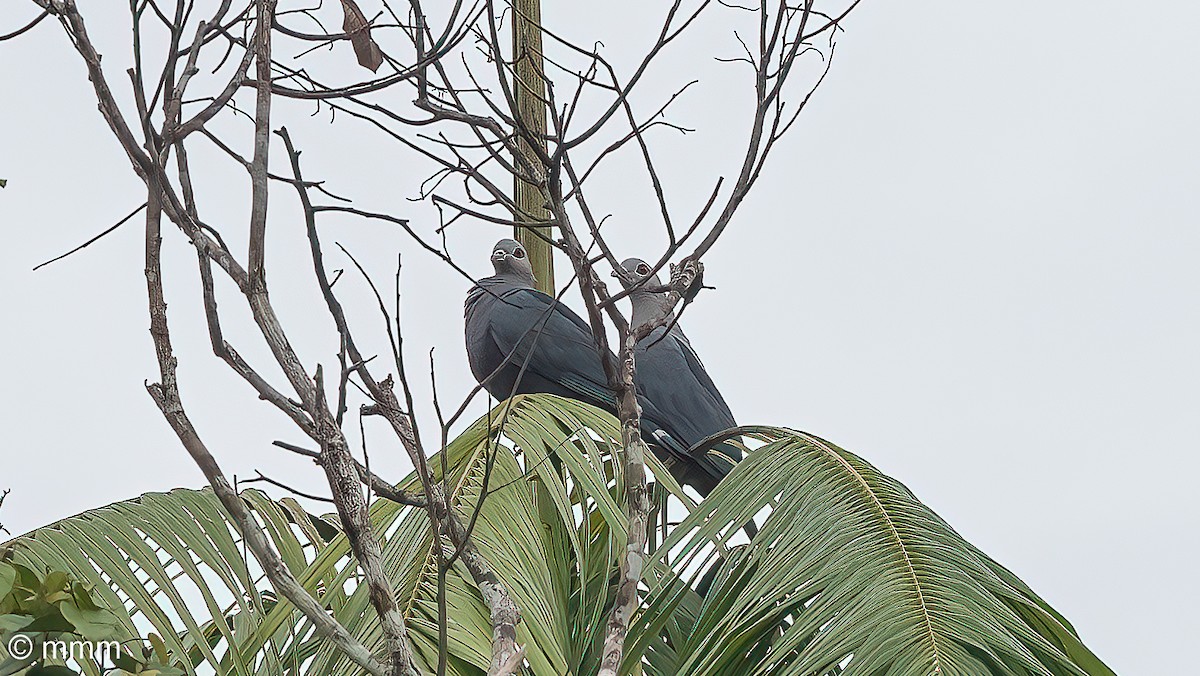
(530, 93)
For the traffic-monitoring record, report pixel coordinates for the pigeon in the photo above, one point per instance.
(674, 383)
(522, 341)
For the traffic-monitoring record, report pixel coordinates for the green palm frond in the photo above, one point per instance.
(849, 573)
(551, 525)
(172, 564)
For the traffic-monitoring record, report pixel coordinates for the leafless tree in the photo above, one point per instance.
(540, 113)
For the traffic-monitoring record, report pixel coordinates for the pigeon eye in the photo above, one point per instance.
(519, 253)
(643, 269)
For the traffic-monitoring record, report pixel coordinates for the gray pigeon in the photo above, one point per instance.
(674, 383)
(522, 341)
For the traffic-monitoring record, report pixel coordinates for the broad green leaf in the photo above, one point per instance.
(94, 625)
(160, 648)
(8, 577)
(11, 623)
(51, 670)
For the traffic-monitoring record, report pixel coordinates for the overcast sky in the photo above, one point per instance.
(974, 263)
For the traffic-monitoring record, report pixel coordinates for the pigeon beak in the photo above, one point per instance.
(498, 255)
(614, 274)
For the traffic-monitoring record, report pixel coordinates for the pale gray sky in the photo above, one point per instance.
(973, 263)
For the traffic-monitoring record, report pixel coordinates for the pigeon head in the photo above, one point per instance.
(636, 270)
(647, 305)
(510, 259)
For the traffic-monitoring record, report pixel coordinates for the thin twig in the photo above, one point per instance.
(93, 240)
(265, 479)
(45, 13)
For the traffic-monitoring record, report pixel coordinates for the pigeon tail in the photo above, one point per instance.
(702, 472)
(703, 469)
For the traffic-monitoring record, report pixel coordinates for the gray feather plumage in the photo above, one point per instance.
(673, 380)
(521, 341)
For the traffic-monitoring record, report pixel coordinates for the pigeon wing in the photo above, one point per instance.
(548, 338)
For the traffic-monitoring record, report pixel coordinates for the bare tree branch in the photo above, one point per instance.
(262, 143)
(166, 395)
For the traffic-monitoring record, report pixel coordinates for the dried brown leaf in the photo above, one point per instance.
(356, 25)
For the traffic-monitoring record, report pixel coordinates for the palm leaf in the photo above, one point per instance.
(849, 574)
(551, 525)
(172, 564)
